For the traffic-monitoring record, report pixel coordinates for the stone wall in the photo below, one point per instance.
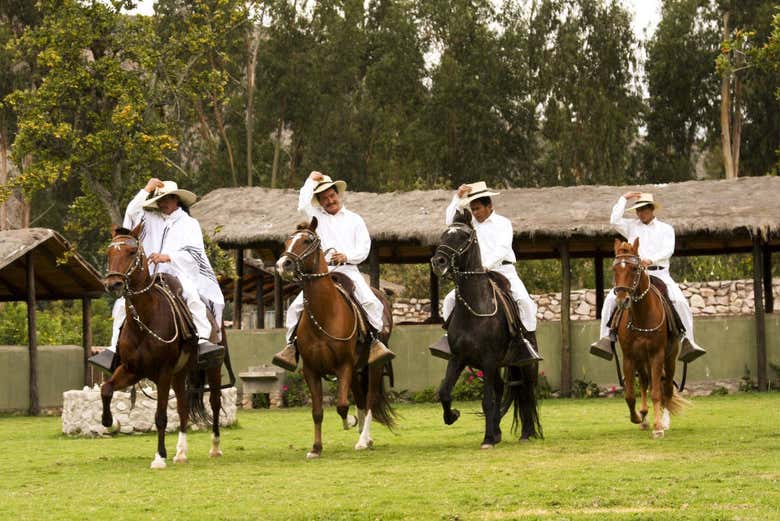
(82, 409)
(719, 298)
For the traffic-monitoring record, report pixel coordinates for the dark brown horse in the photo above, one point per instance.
(151, 345)
(648, 350)
(328, 341)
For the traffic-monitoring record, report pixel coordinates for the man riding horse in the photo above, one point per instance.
(344, 235)
(173, 241)
(656, 246)
(494, 235)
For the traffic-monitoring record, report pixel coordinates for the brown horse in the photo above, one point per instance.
(328, 341)
(648, 349)
(151, 345)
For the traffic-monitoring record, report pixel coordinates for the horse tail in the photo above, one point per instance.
(521, 396)
(382, 410)
(196, 383)
(676, 403)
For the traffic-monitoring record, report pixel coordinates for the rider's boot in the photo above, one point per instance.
(689, 351)
(287, 358)
(441, 348)
(522, 351)
(106, 360)
(603, 347)
(210, 354)
(378, 353)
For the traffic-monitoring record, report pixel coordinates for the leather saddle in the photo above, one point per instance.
(347, 288)
(675, 326)
(507, 303)
(186, 325)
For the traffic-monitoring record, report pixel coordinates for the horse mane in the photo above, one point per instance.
(302, 226)
(624, 247)
(122, 231)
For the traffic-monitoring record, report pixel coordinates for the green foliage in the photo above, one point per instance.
(719, 391)
(427, 395)
(58, 323)
(295, 393)
(469, 386)
(584, 389)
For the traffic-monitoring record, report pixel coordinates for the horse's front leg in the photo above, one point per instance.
(161, 418)
(656, 393)
(119, 380)
(314, 381)
(344, 376)
(628, 388)
(214, 376)
(454, 368)
(489, 406)
(182, 408)
(644, 385)
(498, 385)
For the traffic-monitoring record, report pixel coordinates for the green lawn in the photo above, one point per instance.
(720, 460)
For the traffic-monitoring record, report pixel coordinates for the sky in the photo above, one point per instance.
(647, 14)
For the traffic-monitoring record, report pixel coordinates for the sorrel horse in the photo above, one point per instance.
(328, 341)
(151, 345)
(648, 350)
(478, 335)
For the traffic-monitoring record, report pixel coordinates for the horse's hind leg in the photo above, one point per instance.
(344, 377)
(359, 395)
(161, 419)
(489, 407)
(119, 380)
(454, 368)
(374, 375)
(214, 376)
(498, 385)
(314, 381)
(628, 388)
(644, 384)
(182, 407)
(656, 393)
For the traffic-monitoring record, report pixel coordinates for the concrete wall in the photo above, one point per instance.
(60, 368)
(730, 342)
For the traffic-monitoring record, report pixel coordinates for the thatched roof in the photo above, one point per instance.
(261, 217)
(56, 276)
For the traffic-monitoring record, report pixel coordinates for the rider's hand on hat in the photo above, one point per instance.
(631, 195)
(463, 190)
(316, 176)
(158, 258)
(153, 184)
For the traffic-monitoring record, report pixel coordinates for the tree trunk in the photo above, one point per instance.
(3, 175)
(251, 66)
(222, 132)
(277, 151)
(736, 122)
(725, 111)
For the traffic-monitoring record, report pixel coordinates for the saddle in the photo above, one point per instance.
(181, 311)
(674, 327)
(507, 302)
(346, 286)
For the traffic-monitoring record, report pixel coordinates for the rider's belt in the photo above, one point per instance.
(506, 262)
(654, 268)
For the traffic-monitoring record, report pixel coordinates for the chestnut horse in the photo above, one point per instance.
(479, 337)
(328, 343)
(151, 345)
(648, 350)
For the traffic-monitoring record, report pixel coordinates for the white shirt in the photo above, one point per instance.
(180, 237)
(494, 235)
(656, 239)
(345, 231)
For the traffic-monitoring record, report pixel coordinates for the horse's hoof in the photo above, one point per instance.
(350, 421)
(644, 426)
(485, 446)
(215, 453)
(180, 458)
(453, 417)
(312, 455)
(115, 427)
(361, 445)
(658, 434)
(158, 462)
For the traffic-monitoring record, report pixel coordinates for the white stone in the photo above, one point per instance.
(696, 301)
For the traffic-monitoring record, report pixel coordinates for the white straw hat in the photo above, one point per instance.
(170, 188)
(644, 200)
(478, 189)
(325, 183)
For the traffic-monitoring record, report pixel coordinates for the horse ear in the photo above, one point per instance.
(313, 224)
(136, 232)
(635, 246)
(114, 228)
(618, 242)
(463, 217)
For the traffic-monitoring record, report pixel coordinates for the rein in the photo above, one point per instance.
(640, 270)
(453, 255)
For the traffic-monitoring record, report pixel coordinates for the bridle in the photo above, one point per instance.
(634, 260)
(453, 256)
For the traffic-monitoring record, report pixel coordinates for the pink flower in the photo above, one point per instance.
(612, 389)
(285, 388)
(541, 373)
(480, 374)
(470, 378)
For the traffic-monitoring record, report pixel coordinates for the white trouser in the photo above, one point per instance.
(519, 293)
(679, 302)
(363, 294)
(194, 303)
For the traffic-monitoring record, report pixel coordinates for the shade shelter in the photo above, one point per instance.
(710, 217)
(38, 264)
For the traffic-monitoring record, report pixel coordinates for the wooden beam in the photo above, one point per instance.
(259, 302)
(769, 298)
(32, 337)
(758, 273)
(278, 311)
(86, 334)
(599, 270)
(238, 289)
(373, 265)
(565, 320)
(434, 294)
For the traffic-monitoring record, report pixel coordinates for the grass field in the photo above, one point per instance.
(720, 460)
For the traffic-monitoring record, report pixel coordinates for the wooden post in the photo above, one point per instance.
(373, 265)
(565, 320)
(769, 298)
(86, 335)
(32, 336)
(434, 294)
(238, 289)
(260, 301)
(759, 315)
(278, 311)
(599, 265)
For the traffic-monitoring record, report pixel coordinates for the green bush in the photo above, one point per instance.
(469, 385)
(295, 393)
(57, 322)
(427, 395)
